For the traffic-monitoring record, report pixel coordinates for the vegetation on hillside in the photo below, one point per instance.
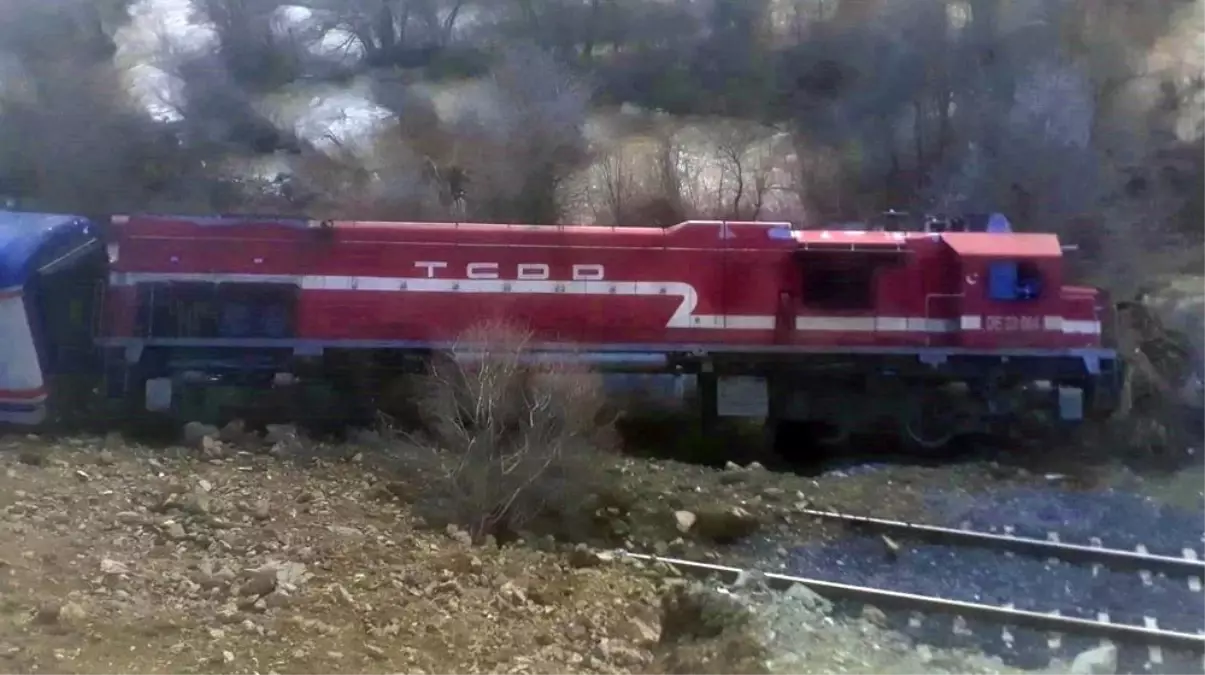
(1080, 116)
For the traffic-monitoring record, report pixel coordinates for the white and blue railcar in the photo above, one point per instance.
(46, 308)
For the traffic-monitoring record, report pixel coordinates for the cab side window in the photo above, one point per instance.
(1014, 280)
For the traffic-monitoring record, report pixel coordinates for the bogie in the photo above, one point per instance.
(928, 416)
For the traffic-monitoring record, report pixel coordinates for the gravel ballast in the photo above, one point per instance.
(1119, 519)
(802, 633)
(992, 577)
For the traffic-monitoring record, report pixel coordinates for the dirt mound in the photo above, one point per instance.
(1160, 336)
(127, 560)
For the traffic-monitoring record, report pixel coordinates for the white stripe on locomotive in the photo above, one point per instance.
(683, 316)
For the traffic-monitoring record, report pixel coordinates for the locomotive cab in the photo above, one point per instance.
(1012, 292)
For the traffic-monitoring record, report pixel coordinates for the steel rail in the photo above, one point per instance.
(1120, 632)
(1108, 557)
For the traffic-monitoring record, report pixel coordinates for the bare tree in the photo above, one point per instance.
(394, 183)
(525, 134)
(71, 139)
(616, 189)
(730, 170)
(642, 185)
(394, 32)
(218, 111)
(976, 105)
(253, 53)
(1040, 164)
(67, 142)
(56, 30)
(512, 435)
(745, 171)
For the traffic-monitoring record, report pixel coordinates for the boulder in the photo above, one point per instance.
(234, 432)
(725, 525)
(195, 433)
(698, 612)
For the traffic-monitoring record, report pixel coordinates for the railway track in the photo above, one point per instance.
(1188, 565)
(1187, 647)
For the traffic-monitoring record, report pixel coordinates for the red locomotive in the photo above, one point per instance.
(937, 332)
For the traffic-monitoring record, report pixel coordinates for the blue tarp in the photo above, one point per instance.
(23, 235)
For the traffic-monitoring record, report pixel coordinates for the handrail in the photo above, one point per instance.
(97, 320)
(1109, 322)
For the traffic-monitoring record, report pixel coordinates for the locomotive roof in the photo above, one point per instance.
(966, 244)
(24, 235)
(1012, 245)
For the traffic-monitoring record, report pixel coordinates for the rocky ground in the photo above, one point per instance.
(297, 557)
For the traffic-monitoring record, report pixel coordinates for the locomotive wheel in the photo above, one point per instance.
(928, 440)
(832, 435)
(932, 425)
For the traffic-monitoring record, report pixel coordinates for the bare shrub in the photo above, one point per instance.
(391, 183)
(69, 143)
(254, 56)
(638, 185)
(522, 138)
(403, 33)
(726, 170)
(513, 436)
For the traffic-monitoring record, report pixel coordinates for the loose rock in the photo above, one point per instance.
(695, 611)
(31, 457)
(67, 613)
(196, 432)
(174, 531)
(582, 556)
(234, 432)
(259, 583)
(261, 510)
(1099, 661)
(684, 520)
(459, 536)
(108, 566)
(725, 525)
